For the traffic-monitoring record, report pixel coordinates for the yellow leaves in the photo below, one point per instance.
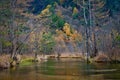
(46, 11)
(75, 11)
(67, 35)
(76, 36)
(66, 29)
(48, 6)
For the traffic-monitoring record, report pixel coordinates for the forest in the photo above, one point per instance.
(38, 30)
(59, 39)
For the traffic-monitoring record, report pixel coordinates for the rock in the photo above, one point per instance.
(13, 64)
(17, 58)
(58, 55)
(101, 58)
(43, 57)
(4, 62)
(4, 65)
(38, 58)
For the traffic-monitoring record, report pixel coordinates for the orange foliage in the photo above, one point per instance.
(74, 35)
(67, 35)
(66, 29)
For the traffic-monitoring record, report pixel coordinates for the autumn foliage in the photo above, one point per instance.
(68, 34)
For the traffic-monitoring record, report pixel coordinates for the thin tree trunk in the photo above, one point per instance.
(95, 50)
(87, 44)
(1, 45)
(1, 49)
(86, 32)
(12, 29)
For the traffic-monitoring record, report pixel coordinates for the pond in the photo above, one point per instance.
(63, 69)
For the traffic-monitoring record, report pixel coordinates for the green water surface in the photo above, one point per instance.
(64, 69)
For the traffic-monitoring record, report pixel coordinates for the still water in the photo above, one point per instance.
(64, 69)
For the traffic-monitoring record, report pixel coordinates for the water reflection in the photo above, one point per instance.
(63, 69)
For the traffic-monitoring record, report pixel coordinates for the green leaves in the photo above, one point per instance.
(60, 22)
(57, 22)
(47, 43)
(117, 38)
(5, 43)
(22, 29)
(55, 18)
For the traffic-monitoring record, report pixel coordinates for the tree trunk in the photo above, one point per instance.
(12, 29)
(86, 32)
(1, 49)
(95, 50)
(87, 45)
(14, 49)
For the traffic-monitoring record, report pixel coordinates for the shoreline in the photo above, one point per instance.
(6, 62)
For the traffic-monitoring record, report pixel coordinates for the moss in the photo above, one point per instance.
(27, 61)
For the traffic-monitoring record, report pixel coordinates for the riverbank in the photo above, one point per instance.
(6, 62)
